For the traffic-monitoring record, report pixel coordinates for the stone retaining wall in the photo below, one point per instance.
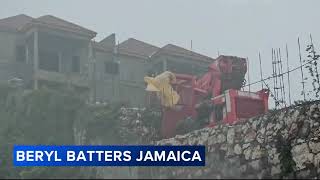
(278, 144)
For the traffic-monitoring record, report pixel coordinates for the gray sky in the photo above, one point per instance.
(232, 27)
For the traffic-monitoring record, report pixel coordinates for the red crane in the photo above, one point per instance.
(220, 89)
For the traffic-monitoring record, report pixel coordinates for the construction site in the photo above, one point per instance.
(257, 114)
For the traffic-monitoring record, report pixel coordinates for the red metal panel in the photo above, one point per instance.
(170, 119)
(246, 107)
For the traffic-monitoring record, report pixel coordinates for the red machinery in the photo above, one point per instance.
(221, 86)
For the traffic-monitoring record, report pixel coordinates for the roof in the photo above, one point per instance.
(134, 47)
(22, 22)
(57, 22)
(105, 45)
(13, 23)
(171, 49)
(100, 47)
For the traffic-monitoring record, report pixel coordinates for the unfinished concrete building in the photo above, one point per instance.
(134, 57)
(52, 52)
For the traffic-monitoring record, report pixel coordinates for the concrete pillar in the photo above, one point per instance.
(35, 57)
(192, 69)
(92, 72)
(60, 61)
(27, 53)
(165, 65)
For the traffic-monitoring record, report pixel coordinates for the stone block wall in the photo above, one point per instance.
(276, 145)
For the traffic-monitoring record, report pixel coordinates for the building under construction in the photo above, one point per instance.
(52, 52)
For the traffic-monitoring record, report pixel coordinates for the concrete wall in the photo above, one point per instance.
(8, 45)
(107, 85)
(67, 48)
(9, 70)
(132, 86)
(133, 95)
(9, 67)
(178, 64)
(128, 86)
(133, 70)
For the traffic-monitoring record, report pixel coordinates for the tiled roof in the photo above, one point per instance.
(98, 46)
(105, 45)
(179, 51)
(135, 47)
(21, 22)
(13, 23)
(54, 21)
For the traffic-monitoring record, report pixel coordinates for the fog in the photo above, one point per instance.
(242, 28)
(231, 27)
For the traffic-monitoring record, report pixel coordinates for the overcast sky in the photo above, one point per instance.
(232, 27)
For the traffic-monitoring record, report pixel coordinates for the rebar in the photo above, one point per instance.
(288, 70)
(274, 79)
(282, 79)
(248, 73)
(302, 75)
(260, 71)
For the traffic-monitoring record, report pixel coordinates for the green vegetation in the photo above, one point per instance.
(38, 117)
(58, 117)
(287, 164)
(49, 117)
(104, 124)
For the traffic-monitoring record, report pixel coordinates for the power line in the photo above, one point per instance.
(272, 95)
(278, 75)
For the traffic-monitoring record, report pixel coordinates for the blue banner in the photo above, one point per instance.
(115, 155)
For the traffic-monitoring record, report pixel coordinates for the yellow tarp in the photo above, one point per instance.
(161, 85)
